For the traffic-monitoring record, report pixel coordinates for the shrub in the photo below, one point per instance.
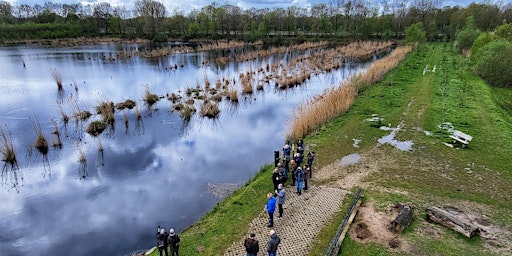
(491, 64)
(479, 42)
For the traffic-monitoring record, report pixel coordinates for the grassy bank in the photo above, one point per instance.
(474, 180)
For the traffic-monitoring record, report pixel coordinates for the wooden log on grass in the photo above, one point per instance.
(403, 219)
(452, 221)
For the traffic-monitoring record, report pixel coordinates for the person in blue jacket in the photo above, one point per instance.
(270, 208)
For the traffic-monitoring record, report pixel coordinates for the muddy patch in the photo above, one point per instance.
(372, 226)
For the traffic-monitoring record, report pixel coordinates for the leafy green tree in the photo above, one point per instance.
(415, 33)
(467, 35)
(491, 64)
(262, 29)
(505, 31)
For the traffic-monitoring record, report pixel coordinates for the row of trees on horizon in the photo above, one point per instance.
(151, 20)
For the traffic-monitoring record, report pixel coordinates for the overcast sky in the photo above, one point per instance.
(188, 5)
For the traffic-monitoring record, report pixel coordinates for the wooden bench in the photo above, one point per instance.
(461, 137)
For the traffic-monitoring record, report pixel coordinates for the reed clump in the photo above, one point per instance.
(149, 97)
(57, 77)
(333, 102)
(186, 112)
(57, 143)
(95, 128)
(107, 110)
(41, 143)
(7, 149)
(129, 104)
(210, 109)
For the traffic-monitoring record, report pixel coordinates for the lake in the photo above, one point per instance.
(106, 195)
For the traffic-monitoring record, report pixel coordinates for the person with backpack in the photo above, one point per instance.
(307, 175)
(161, 241)
(174, 242)
(252, 246)
(273, 243)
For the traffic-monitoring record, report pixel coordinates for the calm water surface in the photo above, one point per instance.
(151, 173)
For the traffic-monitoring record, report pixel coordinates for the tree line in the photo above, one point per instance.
(151, 20)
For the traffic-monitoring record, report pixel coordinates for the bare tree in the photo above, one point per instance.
(152, 12)
(102, 12)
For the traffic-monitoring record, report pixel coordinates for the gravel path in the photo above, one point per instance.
(304, 216)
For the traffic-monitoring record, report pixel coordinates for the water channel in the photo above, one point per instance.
(156, 172)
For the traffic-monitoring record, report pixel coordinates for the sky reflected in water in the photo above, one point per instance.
(153, 174)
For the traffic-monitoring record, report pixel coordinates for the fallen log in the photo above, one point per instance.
(403, 219)
(452, 221)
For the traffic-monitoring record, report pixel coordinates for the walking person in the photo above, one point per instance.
(307, 174)
(252, 246)
(299, 178)
(273, 243)
(270, 207)
(281, 196)
(174, 242)
(161, 241)
(311, 157)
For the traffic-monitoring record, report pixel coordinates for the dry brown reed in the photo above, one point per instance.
(149, 97)
(41, 144)
(64, 116)
(107, 110)
(186, 112)
(7, 149)
(333, 102)
(210, 109)
(361, 49)
(57, 77)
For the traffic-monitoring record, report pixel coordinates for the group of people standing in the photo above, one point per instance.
(166, 240)
(285, 166)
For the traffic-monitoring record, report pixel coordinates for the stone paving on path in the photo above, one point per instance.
(303, 218)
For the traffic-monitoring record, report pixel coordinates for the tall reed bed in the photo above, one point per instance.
(335, 101)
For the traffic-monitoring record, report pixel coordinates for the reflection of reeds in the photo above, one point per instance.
(57, 143)
(82, 162)
(139, 125)
(101, 155)
(210, 109)
(125, 119)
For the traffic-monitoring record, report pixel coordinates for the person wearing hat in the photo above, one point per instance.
(252, 246)
(162, 241)
(273, 243)
(174, 242)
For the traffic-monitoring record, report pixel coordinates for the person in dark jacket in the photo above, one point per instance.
(276, 177)
(161, 240)
(174, 242)
(273, 243)
(307, 172)
(252, 246)
(311, 157)
(270, 207)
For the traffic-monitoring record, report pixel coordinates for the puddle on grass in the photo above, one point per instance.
(350, 159)
(390, 139)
